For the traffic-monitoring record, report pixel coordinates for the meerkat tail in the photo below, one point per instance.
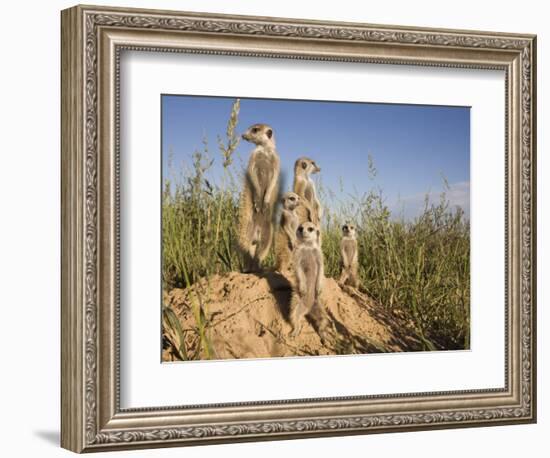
(245, 236)
(245, 219)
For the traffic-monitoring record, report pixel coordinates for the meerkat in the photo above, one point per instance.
(285, 239)
(258, 197)
(348, 250)
(309, 276)
(304, 186)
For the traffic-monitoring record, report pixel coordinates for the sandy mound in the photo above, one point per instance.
(246, 316)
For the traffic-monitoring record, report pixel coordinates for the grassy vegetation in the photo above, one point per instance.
(418, 269)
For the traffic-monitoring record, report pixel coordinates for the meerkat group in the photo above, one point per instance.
(298, 251)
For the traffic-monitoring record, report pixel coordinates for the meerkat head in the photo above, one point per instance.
(290, 200)
(348, 230)
(260, 134)
(306, 165)
(308, 233)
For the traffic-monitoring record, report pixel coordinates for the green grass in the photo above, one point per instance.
(419, 269)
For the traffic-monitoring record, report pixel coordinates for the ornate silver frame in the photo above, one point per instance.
(92, 39)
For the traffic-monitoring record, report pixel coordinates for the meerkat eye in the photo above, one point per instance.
(254, 130)
(310, 229)
(304, 165)
(300, 229)
(292, 198)
(269, 133)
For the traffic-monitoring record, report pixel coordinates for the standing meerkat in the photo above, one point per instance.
(258, 197)
(285, 239)
(349, 252)
(309, 276)
(304, 186)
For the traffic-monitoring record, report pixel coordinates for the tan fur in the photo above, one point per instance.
(349, 252)
(304, 186)
(308, 277)
(285, 238)
(258, 197)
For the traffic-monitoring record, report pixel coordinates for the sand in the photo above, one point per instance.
(246, 316)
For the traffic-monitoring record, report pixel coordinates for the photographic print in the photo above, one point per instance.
(305, 228)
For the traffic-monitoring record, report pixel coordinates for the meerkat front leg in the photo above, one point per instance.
(300, 186)
(318, 209)
(301, 281)
(256, 190)
(299, 309)
(287, 227)
(271, 186)
(320, 276)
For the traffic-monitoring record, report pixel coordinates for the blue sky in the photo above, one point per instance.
(412, 145)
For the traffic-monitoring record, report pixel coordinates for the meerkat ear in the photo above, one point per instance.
(269, 133)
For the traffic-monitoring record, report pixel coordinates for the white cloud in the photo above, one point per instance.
(411, 206)
(459, 195)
